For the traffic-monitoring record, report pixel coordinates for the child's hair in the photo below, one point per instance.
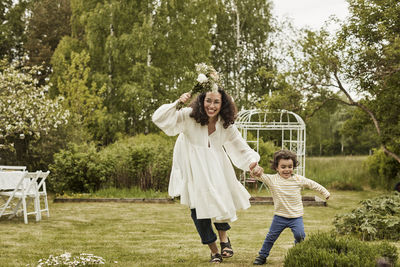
(284, 154)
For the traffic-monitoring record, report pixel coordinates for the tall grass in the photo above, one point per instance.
(342, 172)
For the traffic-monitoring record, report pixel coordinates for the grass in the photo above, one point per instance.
(343, 173)
(153, 234)
(133, 192)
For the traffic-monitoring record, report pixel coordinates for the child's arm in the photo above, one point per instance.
(315, 186)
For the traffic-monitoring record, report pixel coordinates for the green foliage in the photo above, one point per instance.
(361, 58)
(342, 173)
(377, 218)
(143, 54)
(78, 168)
(27, 112)
(266, 150)
(241, 47)
(142, 161)
(325, 249)
(12, 28)
(48, 22)
(113, 192)
(385, 171)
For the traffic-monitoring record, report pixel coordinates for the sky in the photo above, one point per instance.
(311, 13)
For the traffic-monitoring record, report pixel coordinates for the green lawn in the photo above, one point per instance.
(130, 234)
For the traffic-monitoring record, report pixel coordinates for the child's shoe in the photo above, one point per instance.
(260, 260)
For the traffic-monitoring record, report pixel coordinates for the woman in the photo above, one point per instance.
(202, 173)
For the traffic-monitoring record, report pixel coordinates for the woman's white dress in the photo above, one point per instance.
(202, 173)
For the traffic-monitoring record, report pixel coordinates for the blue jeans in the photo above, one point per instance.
(279, 224)
(204, 228)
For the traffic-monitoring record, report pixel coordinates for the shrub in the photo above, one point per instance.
(377, 218)
(266, 151)
(384, 170)
(143, 161)
(327, 249)
(77, 169)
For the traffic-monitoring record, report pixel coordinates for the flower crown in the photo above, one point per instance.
(207, 79)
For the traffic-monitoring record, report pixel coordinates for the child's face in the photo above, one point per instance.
(285, 168)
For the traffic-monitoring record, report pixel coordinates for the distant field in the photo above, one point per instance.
(345, 173)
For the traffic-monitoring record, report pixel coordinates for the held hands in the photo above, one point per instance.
(255, 169)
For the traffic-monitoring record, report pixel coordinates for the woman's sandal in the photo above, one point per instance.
(216, 258)
(226, 249)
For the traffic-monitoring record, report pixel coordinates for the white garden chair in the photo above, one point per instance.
(25, 191)
(12, 168)
(42, 193)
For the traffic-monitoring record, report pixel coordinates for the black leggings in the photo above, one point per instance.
(204, 228)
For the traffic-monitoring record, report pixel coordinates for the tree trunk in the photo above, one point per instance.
(238, 50)
(370, 114)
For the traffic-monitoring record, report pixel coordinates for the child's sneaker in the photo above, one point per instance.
(260, 260)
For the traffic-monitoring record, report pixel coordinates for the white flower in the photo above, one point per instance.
(201, 67)
(214, 88)
(202, 78)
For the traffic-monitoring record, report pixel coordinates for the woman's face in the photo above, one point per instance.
(212, 104)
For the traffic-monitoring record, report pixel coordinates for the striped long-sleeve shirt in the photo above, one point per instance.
(286, 193)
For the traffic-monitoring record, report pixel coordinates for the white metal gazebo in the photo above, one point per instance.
(291, 126)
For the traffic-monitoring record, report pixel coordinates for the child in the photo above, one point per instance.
(288, 207)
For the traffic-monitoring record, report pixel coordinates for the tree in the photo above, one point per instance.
(12, 28)
(48, 22)
(241, 46)
(141, 51)
(26, 111)
(363, 59)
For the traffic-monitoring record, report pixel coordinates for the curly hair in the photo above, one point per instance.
(228, 110)
(284, 154)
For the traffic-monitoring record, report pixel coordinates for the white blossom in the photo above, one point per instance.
(25, 107)
(202, 78)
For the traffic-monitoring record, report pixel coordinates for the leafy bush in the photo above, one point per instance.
(266, 151)
(77, 169)
(377, 218)
(143, 161)
(325, 249)
(384, 169)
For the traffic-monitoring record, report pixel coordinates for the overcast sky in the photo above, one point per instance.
(312, 13)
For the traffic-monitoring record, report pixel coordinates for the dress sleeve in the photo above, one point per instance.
(171, 120)
(314, 186)
(238, 150)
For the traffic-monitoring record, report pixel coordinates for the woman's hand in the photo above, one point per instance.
(184, 97)
(255, 169)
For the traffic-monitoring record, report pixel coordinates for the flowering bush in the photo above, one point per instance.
(66, 259)
(25, 108)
